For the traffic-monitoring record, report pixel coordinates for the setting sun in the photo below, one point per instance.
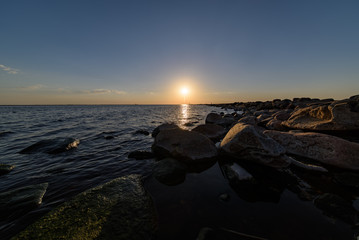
(184, 90)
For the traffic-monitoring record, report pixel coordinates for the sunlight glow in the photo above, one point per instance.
(184, 91)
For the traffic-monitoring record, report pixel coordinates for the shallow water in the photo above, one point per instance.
(108, 133)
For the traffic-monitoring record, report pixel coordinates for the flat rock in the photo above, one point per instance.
(184, 145)
(52, 146)
(119, 209)
(244, 141)
(22, 199)
(339, 115)
(212, 131)
(324, 148)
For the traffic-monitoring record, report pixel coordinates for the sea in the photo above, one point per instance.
(106, 135)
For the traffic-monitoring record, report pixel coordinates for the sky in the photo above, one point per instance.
(144, 52)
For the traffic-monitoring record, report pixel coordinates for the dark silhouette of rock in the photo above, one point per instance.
(169, 171)
(143, 132)
(212, 131)
(245, 142)
(165, 126)
(324, 148)
(52, 146)
(215, 118)
(140, 155)
(119, 209)
(184, 145)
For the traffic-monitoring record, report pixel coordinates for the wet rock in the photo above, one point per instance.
(324, 148)
(245, 142)
(143, 132)
(140, 155)
(337, 207)
(52, 146)
(20, 200)
(169, 171)
(234, 172)
(165, 126)
(336, 116)
(212, 131)
(189, 146)
(5, 168)
(119, 209)
(348, 179)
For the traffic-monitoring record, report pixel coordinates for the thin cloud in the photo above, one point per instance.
(32, 87)
(8, 69)
(101, 91)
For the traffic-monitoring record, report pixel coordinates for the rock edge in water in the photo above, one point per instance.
(119, 209)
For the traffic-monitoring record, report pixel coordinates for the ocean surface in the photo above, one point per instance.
(107, 134)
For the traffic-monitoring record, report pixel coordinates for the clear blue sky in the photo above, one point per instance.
(60, 52)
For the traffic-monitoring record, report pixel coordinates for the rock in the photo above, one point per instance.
(215, 118)
(119, 209)
(275, 124)
(245, 142)
(234, 172)
(324, 148)
(281, 115)
(348, 179)
(52, 146)
(143, 132)
(336, 116)
(20, 200)
(251, 120)
(337, 207)
(109, 137)
(224, 197)
(189, 146)
(212, 131)
(169, 171)
(165, 126)
(140, 155)
(207, 233)
(309, 167)
(5, 168)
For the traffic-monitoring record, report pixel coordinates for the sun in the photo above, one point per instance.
(184, 91)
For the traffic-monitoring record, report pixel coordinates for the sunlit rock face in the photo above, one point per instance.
(245, 142)
(338, 115)
(119, 209)
(52, 146)
(324, 148)
(184, 145)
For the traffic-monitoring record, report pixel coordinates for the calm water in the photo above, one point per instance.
(107, 134)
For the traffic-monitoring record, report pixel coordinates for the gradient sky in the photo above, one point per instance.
(142, 52)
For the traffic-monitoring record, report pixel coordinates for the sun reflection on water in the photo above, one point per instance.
(185, 112)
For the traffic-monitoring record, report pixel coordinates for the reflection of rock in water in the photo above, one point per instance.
(52, 146)
(169, 171)
(335, 206)
(254, 184)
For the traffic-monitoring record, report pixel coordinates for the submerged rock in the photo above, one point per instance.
(324, 148)
(22, 199)
(140, 155)
(169, 171)
(5, 168)
(245, 142)
(52, 146)
(184, 145)
(119, 209)
(143, 132)
(234, 172)
(212, 131)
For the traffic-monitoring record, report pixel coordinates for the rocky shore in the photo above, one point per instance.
(307, 146)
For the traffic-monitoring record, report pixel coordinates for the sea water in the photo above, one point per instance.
(107, 134)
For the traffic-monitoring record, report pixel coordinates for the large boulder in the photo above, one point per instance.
(184, 145)
(339, 115)
(119, 209)
(165, 126)
(52, 146)
(212, 131)
(17, 201)
(245, 142)
(215, 118)
(324, 148)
